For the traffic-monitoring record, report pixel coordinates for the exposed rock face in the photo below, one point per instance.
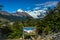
(56, 36)
(13, 16)
(4, 13)
(21, 14)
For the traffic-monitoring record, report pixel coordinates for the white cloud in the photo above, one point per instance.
(20, 10)
(48, 4)
(36, 8)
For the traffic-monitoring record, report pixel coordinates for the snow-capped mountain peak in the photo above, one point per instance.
(20, 10)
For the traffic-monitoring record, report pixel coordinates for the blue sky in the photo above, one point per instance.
(14, 5)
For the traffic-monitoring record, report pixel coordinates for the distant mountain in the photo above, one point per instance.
(4, 13)
(21, 15)
(37, 14)
(13, 16)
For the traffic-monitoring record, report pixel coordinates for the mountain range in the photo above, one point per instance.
(18, 15)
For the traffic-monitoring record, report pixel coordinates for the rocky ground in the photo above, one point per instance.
(55, 36)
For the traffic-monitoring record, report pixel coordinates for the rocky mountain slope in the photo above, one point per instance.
(13, 16)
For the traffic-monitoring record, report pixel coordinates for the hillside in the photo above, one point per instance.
(13, 16)
(51, 23)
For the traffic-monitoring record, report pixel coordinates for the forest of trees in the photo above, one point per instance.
(47, 25)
